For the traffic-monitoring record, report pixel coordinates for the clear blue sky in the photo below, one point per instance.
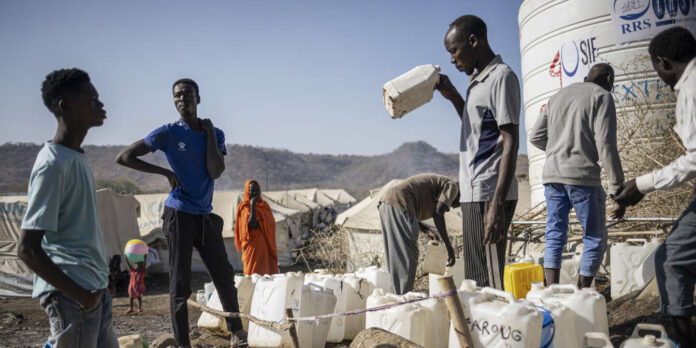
(302, 76)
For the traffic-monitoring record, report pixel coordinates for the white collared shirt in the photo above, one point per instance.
(684, 167)
(492, 100)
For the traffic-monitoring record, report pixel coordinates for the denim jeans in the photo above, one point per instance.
(589, 203)
(675, 266)
(73, 327)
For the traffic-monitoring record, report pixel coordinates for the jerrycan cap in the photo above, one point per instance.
(650, 340)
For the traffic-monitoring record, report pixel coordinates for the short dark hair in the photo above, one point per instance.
(675, 43)
(186, 81)
(470, 24)
(60, 82)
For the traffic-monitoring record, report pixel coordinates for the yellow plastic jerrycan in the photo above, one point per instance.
(519, 277)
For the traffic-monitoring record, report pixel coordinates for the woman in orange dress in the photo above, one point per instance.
(254, 232)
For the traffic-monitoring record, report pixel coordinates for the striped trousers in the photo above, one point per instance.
(483, 263)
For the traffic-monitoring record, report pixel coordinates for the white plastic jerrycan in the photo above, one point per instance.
(245, 287)
(435, 260)
(632, 265)
(638, 341)
(408, 321)
(410, 90)
(589, 308)
(456, 271)
(351, 293)
(404, 320)
(271, 296)
(496, 319)
(570, 268)
(563, 325)
(377, 277)
(315, 301)
(596, 340)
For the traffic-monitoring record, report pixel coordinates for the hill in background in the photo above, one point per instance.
(286, 170)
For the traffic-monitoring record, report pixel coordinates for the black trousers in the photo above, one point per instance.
(184, 232)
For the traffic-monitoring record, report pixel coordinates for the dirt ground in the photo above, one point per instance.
(23, 322)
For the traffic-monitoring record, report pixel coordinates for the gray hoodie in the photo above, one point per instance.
(577, 128)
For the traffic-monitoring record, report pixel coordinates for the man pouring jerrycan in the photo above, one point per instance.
(488, 144)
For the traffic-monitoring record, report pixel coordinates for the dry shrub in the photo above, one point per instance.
(647, 140)
(327, 249)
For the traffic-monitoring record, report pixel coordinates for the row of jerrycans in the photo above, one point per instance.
(309, 295)
(496, 319)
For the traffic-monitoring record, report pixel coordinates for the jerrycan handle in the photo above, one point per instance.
(640, 241)
(499, 293)
(591, 340)
(563, 288)
(648, 327)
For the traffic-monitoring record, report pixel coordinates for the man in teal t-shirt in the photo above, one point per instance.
(61, 241)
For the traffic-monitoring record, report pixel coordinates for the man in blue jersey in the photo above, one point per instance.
(194, 150)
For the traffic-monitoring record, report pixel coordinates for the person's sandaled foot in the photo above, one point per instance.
(129, 310)
(140, 310)
(239, 339)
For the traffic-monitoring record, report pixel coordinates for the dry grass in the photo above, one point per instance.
(328, 249)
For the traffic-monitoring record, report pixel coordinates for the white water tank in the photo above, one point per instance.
(561, 39)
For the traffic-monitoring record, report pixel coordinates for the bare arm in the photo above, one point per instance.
(506, 173)
(439, 219)
(129, 157)
(450, 93)
(130, 267)
(214, 160)
(35, 257)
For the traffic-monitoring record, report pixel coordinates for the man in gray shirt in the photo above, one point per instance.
(488, 149)
(401, 209)
(577, 128)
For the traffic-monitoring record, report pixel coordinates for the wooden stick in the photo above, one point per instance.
(456, 312)
(261, 322)
(293, 330)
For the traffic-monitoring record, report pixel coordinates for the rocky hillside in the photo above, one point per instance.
(286, 170)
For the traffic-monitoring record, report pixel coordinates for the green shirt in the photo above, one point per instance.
(62, 202)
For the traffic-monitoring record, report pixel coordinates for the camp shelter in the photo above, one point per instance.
(287, 220)
(363, 228)
(117, 222)
(343, 200)
(16, 279)
(224, 204)
(150, 225)
(315, 195)
(287, 200)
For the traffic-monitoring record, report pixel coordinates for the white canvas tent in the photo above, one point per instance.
(316, 196)
(16, 278)
(117, 222)
(224, 204)
(343, 200)
(363, 228)
(306, 210)
(288, 222)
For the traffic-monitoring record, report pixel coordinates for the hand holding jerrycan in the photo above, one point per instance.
(410, 90)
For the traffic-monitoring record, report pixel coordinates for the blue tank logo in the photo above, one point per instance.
(632, 9)
(577, 61)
